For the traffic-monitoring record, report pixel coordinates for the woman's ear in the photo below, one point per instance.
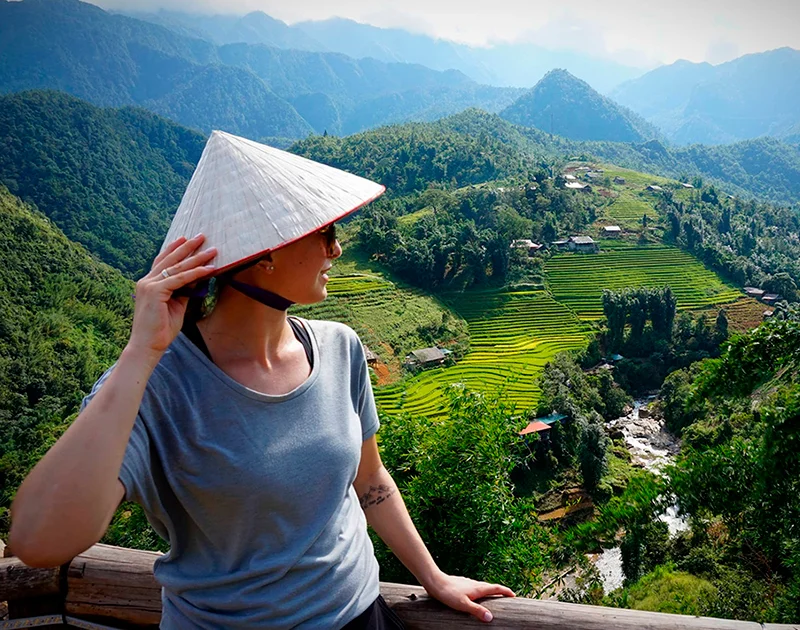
(266, 264)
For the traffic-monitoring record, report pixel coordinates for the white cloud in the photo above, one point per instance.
(630, 31)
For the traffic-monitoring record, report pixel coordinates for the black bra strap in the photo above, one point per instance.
(191, 330)
(304, 338)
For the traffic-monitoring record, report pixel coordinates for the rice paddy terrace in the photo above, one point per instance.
(513, 335)
(577, 280)
(391, 319)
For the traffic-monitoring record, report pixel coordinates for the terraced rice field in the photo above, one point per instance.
(388, 318)
(578, 280)
(513, 335)
(358, 284)
(628, 209)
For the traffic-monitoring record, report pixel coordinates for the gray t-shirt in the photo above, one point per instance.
(254, 493)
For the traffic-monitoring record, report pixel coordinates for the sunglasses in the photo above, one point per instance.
(329, 233)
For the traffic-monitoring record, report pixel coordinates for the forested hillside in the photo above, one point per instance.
(110, 179)
(408, 158)
(564, 105)
(64, 318)
(116, 60)
(753, 244)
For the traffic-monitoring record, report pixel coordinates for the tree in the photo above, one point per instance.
(782, 284)
(593, 454)
(455, 477)
(721, 326)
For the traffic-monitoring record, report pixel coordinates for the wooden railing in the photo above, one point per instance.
(115, 587)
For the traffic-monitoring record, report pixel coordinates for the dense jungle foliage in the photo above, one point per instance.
(64, 318)
(110, 179)
(751, 243)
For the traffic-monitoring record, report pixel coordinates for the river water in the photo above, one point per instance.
(652, 447)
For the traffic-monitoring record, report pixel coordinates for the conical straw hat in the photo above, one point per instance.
(249, 198)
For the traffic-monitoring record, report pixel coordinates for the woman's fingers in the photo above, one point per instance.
(476, 610)
(170, 248)
(485, 589)
(196, 260)
(181, 252)
(179, 280)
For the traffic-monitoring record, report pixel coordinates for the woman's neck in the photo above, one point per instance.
(241, 329)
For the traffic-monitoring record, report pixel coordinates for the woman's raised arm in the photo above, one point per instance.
(67, 501)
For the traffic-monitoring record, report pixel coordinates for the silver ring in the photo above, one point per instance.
(164, 274)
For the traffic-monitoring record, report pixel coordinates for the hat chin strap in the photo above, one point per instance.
(267, 298)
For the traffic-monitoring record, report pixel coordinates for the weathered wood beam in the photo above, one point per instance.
(19, 581)
(419, 612)
(114, 583)
(117, 585)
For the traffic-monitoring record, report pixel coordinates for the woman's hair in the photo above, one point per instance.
(202, 303)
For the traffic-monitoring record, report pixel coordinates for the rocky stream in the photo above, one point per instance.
(652, 447)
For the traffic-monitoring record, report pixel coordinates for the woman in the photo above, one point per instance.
(247, 436)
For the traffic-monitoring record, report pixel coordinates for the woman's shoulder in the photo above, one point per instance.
(324, 329)
(330, 334)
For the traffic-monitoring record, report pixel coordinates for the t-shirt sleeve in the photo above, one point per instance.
(135, 472)
(365, 405)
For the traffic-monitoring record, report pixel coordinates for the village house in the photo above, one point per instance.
(619, 180)
(542, 425)
(612, 231)
(654, 188)
(594, 175)
(685, 185)
(526, 244)
(578, 186)
(371, 357)
(754, 292)
(771, 299)
(570, 177)
(768, 314)
(562, 244)
(582, 244)
(536, 428)
(425, 358)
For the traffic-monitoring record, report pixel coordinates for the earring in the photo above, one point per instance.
(270, 267)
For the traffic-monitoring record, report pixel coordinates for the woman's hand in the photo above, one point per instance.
(158, 316)
(459, 593)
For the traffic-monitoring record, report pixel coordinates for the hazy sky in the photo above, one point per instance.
(636, 32)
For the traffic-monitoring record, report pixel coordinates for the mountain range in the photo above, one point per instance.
(253, 90)
(518, 64)
(754, 95)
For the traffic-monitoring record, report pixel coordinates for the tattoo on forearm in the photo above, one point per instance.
(375, 495)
